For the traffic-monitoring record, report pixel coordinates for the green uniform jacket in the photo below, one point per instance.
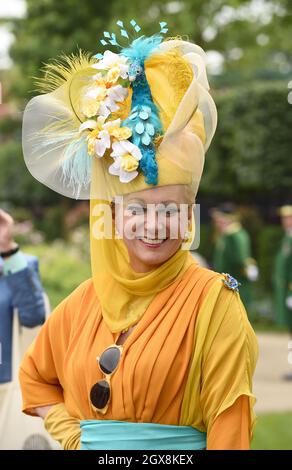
(283, 282)
(232, 255)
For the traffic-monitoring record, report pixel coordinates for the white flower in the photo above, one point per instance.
(102, 143)
(89, 124)
(97, 77)
(115, 123)
(114, 94)
(110, 60)
(91, 98)
(105, 110)
(101, 132)
(126, 160)
(95, 92)
(117, 93)
(103, 140)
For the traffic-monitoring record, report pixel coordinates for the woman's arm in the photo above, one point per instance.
(231, 429)
(228, 364)
(62, 427)
(26, 289)
(22, 277)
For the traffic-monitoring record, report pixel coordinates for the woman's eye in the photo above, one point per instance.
(169, 212)
(134, 210)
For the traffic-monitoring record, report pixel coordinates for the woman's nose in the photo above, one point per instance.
(154, 225)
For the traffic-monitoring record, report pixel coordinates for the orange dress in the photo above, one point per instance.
(149, 384)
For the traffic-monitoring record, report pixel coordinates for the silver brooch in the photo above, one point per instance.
(230, 282)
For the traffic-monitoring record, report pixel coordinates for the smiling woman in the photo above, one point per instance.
(153, 352)
(154, 223)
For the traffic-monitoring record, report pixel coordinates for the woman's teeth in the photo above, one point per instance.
(152, 241)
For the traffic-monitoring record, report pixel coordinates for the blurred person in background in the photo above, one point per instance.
(282, 278)
(21, 291)
(20, 288)
(232, 252)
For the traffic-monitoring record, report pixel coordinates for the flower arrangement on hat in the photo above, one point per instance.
(140, 115)
(131, 141)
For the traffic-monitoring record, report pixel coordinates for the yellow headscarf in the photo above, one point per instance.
(179, 87)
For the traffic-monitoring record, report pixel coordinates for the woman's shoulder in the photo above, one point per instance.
(85, 289)
(205, 274)
(219, 279)
(76, 304)
(221, 292)
(83, 297)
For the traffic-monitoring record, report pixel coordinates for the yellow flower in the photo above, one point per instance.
(93, 134)
(129, 163)
(121, 133)
(89, 107)
(92, 98)
(91, 141)
(99, 80)
(113, 75)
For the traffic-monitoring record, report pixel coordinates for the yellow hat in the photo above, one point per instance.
(285, 211)
(117, 123)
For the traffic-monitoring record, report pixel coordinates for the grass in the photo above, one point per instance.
(273, 432)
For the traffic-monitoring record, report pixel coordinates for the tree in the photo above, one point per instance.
(50, 28)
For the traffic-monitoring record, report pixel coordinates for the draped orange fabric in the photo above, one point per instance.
(231, 430)
(148, 385)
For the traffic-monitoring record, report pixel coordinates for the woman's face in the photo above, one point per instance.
(287, 222)
(153, 224)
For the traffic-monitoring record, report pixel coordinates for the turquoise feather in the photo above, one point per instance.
(144, 120)
(76, 167)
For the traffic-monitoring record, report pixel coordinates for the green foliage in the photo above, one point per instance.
(52, 222)
(273, 432)
(251, 149)
(52, 27)
(16, 183)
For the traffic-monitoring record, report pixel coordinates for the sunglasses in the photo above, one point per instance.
(100, 392)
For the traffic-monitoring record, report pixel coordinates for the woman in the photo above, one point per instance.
(21, 291)
(20, 288)
(153, 352)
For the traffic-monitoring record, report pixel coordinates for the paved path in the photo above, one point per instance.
(273, 393)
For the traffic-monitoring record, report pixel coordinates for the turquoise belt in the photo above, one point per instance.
(123, 435)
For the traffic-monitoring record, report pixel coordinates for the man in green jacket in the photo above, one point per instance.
(232, 252)
(283, 272)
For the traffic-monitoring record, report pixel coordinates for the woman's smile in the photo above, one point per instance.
(152, 242)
